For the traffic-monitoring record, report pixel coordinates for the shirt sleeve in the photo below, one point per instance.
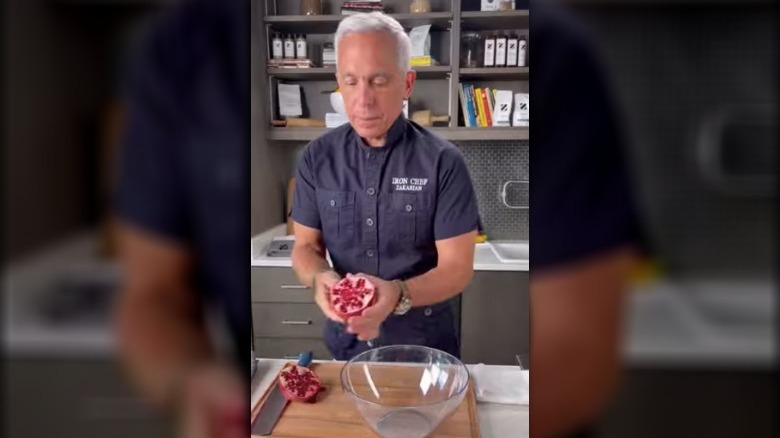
(150, 192)
(582, 201)
(456, 206)
(304, 209)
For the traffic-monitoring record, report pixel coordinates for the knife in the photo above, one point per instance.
(275, 403)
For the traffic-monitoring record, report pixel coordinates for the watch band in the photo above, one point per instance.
(404, 302)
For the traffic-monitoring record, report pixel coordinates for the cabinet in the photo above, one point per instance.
(88, 398)
(446, 19)
(494, 318)
(285, 319)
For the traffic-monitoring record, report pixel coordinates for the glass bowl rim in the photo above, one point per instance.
(344, 387)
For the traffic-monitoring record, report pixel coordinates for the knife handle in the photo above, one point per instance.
(305, 359)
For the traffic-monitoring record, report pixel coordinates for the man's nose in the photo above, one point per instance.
(365, 94)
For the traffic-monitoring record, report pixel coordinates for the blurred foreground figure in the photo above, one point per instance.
(182, 217)
(584, 231)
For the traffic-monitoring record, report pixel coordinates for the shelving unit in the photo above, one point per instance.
(459, 133)
(433, 82)
(328, 23)
(496, 73)
(477, 20)
(327, 73)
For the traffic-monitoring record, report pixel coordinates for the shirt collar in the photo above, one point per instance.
(395, 134)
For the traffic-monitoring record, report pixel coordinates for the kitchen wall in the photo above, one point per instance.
(491, 164)
(674, 67)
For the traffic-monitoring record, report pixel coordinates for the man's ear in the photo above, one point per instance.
(411, 76)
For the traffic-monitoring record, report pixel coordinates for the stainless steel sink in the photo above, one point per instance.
(509, 251)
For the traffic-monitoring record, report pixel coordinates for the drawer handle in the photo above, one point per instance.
(291, 356)
(287, 322)
(294, 286)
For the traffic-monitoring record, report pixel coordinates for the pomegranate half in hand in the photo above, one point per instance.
(352, 295)
(299, 384)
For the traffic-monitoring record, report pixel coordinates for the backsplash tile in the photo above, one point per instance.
(491, 164)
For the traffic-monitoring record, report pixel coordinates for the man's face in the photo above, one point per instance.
(371, 82)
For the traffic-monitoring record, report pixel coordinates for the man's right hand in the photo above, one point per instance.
(212, 404)
(323, 281)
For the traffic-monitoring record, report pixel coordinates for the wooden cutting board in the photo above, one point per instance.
(336, 415)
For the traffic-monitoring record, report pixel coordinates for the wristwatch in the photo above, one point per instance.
(404, 302)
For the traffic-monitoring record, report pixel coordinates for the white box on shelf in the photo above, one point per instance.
(502, 111)
(495, 5)
(521, 113)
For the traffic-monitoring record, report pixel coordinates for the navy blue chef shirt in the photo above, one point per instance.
(183, 172)
(381, 209)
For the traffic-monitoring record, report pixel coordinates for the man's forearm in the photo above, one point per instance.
(160, 342)
(575, 340)
(308, 261)
(438, 284)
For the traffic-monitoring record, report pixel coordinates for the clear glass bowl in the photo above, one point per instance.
(405, 391)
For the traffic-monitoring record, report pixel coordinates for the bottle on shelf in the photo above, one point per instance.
(277, 49)
(300, 47)
(289, 47)
(490, 50)
(522, 45)
(511, 50)
(311, 7)
(501, 50)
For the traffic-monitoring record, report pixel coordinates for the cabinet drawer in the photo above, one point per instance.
(287, 320)
(290, 348)
(278, 285)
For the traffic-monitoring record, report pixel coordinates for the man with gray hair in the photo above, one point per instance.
(387, 199)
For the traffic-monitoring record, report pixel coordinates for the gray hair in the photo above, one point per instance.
(378, 22)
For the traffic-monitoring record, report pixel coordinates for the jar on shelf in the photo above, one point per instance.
(471, 50)
(311, 7)
(420, 7)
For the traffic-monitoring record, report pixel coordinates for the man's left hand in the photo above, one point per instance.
(367, 325)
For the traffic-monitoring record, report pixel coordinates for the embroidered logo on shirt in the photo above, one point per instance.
(409, 184)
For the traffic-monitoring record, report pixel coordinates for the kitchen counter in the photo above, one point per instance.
(484, 257)
(668, 324)
(495, 420)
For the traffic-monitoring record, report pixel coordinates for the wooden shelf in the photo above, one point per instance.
(314, 73)
(319, 24)
(495, 73)
(452, 134)
(328, 73)
(465, 134)
(499, 20)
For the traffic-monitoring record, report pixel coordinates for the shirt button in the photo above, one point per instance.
(408, 207)
(428, 311)
(332, 203)
(370, 191)
(370, 222)
(370, 253)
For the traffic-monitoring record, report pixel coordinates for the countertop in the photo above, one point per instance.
(495, 420)
(484, 257)
(669, 323)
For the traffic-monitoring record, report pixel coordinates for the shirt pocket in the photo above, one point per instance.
(413, 213)
(337, 213)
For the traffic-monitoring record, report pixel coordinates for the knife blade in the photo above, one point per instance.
(275, 403)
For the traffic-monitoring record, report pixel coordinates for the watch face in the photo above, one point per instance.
(403, 306)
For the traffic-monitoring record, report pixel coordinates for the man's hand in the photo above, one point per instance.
(367, 325)
(212, 404)
(323, 281)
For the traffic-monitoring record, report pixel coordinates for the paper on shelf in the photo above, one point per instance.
(421, 40)
(290, 100)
